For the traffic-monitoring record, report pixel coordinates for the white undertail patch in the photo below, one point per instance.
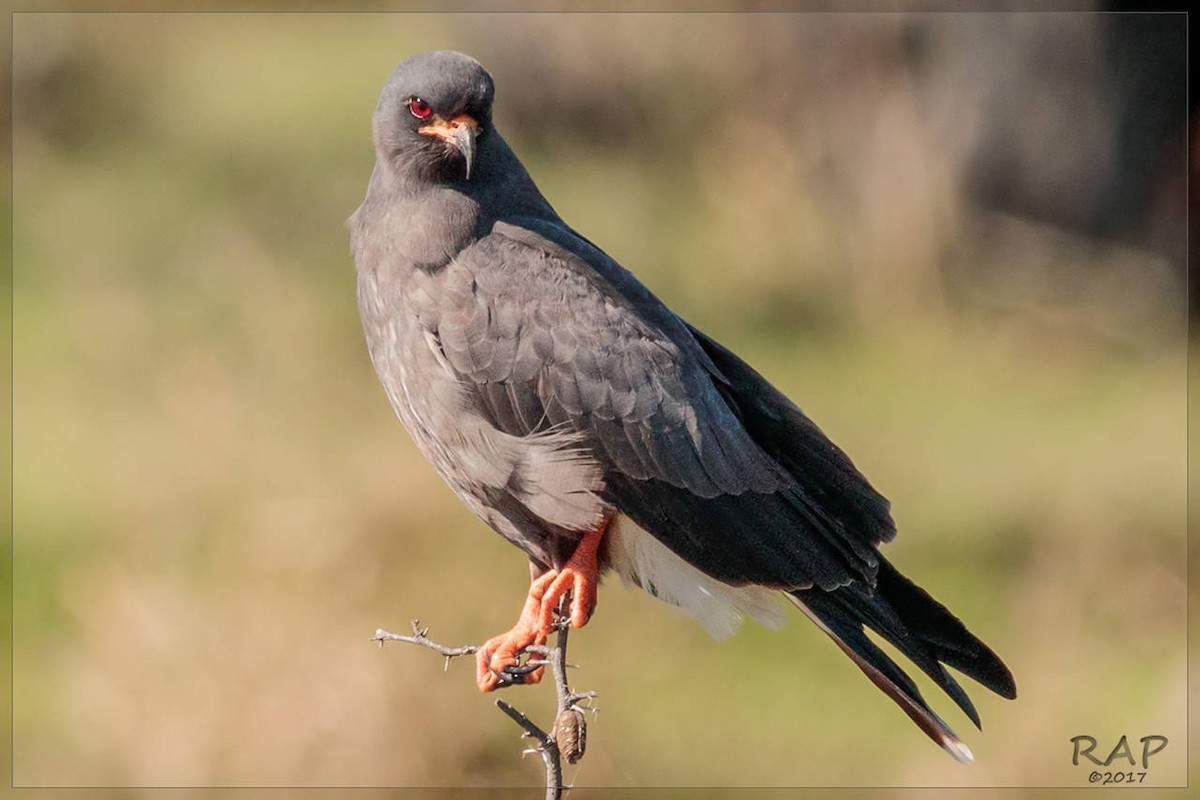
(642, 560)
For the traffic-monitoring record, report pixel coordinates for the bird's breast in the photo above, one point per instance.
(519, 485)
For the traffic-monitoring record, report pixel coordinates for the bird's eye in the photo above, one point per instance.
(419, 108)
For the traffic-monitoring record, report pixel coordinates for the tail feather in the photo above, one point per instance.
(943, 633)
(919, 627)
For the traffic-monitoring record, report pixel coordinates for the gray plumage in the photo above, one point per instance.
(552, 390)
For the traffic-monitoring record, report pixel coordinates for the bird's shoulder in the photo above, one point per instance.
(547, 332)
(531, 296)
(544, 263)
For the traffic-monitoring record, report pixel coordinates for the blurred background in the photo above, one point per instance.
(957, 241)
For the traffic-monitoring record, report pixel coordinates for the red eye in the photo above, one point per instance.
(419, 108)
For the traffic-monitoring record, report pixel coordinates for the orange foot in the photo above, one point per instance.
(580, 577)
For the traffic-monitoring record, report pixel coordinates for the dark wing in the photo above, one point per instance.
(550, 332)
(796, 443)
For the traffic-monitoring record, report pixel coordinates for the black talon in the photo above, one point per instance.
(523, 669)
(507, 678)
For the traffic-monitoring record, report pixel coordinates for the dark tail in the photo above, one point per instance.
(919, 627)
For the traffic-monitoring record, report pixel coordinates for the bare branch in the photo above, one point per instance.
(531, 728)
(568, 736)
(420, 637)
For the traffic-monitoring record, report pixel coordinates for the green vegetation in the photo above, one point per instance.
(215, 508)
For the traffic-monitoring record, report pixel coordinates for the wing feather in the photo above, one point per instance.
(550, 332)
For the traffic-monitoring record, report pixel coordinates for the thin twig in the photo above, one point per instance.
(568, 736)
(531, 728)
(546, 747)
(419, 637)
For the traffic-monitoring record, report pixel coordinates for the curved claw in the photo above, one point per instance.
(500, 655)
(517, 672)
(518, 675)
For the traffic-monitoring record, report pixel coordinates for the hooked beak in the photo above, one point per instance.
(460, 132)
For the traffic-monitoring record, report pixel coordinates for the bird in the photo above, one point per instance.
(594, 428)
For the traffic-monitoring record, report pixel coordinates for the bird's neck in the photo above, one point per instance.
(429, 223)
(425, 224)
(503, 186)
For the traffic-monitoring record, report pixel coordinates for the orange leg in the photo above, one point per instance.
(580, 576)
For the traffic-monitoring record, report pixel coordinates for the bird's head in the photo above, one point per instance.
(433, 113)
